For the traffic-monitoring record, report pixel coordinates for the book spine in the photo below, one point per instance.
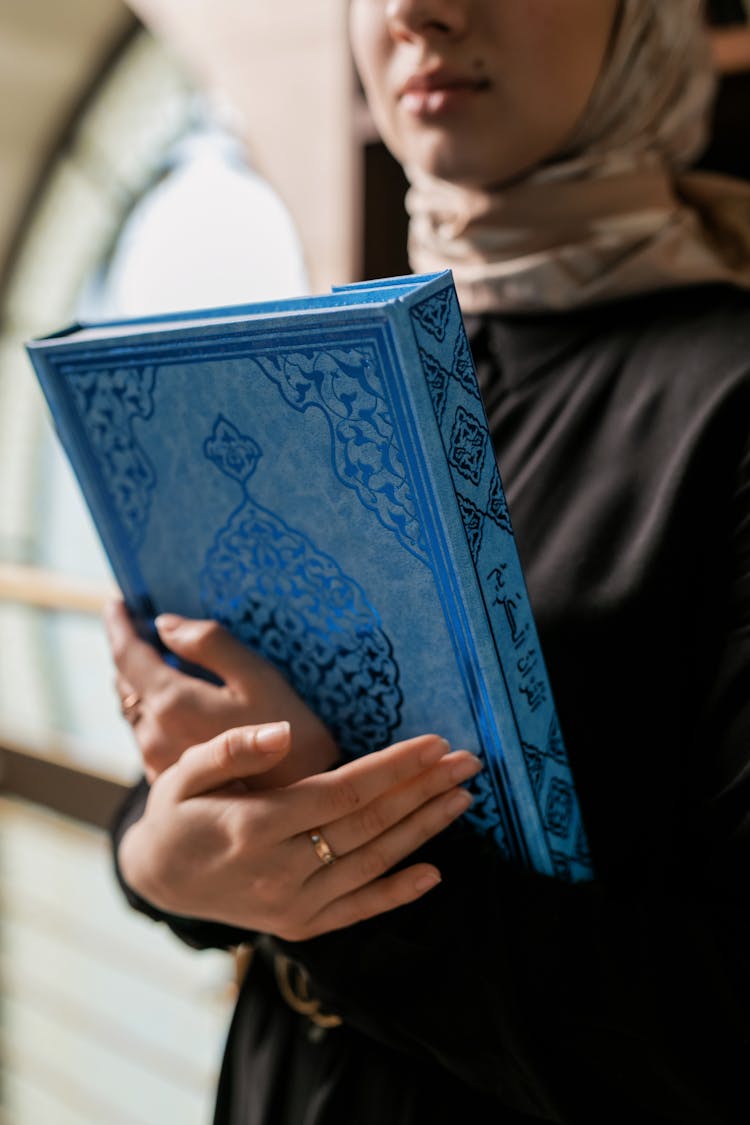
(483, 590)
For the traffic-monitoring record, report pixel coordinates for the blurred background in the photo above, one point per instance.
(169, 154)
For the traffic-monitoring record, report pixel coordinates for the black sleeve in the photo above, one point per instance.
(569, 1002)
(195, 932)
(627, 999)
(612, 1001)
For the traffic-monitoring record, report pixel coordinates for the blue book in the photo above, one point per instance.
(317, 475)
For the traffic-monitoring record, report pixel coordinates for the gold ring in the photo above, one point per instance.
(322, 848)
(130, 706)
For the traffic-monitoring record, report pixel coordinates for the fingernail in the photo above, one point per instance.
(427, 881)
(436, 749)
(459, 803)
(168, 622)
(465, 768)
(272, 737)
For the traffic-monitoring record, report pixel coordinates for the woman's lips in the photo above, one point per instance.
(434, 94)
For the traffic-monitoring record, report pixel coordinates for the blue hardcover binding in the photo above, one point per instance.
(317, 475)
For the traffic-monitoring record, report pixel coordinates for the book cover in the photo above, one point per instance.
(317, 475)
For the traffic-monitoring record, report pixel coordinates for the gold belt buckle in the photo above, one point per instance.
(294, 986)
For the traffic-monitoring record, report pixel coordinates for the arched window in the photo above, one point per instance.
(150, 204)
(148, 200)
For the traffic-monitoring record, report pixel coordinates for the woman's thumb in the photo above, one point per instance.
(237, 753)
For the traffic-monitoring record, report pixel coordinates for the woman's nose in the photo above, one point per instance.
(413, 19)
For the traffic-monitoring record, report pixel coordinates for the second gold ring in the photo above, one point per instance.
(323, 849)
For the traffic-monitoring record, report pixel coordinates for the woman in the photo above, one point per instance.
(545, 142)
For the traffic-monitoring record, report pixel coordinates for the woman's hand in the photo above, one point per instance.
(209, 846)
(175, 710)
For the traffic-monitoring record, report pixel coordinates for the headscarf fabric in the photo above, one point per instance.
(618, 212)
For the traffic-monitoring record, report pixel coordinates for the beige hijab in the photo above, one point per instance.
(616, 213)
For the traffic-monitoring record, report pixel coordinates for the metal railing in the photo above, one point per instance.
(45, 777)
